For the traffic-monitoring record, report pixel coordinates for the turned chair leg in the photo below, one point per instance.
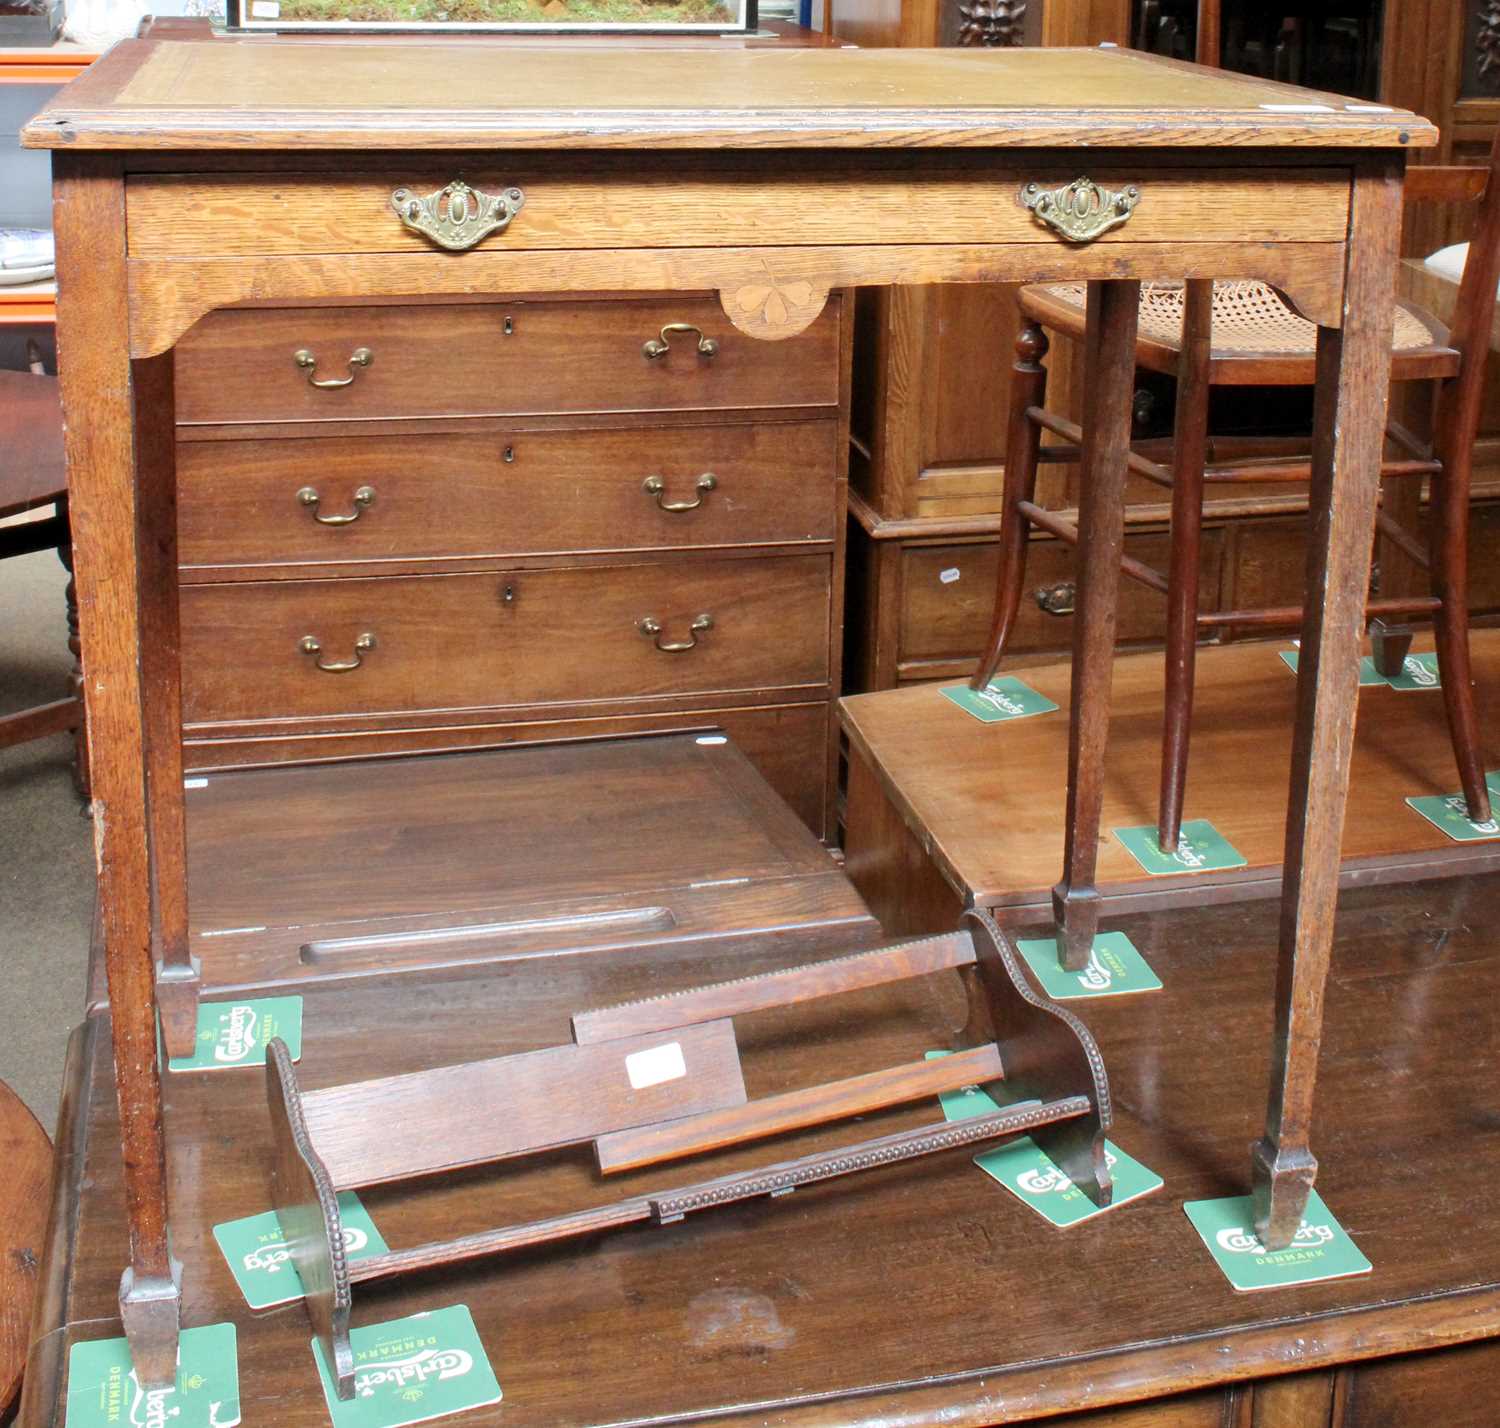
(1028, 387)
(1449, 534)
(1189, 453)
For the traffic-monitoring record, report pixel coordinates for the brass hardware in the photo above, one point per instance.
(362, 646)
(508, 455)
(1081, 210)
(508, 327)
(360, 357)
(1058, 599)
(308, 496)
(651, 628)
(457, 217)
(508, 595)
(655, 486)
(654, 347)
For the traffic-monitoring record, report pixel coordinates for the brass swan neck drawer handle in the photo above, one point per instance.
(1059, 599)
(360, 357)
(654, 347)
(651, 628)
(362, 646)
(308, 496)
(1082, 210)
(655, 486)
(457, 216)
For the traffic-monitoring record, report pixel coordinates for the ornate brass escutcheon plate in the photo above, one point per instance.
(457, 217)
(1081, 210)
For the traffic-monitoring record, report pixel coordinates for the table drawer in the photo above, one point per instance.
(948, 596)
(573, 203)
(503, 638)
(484, 359)
(359, 499)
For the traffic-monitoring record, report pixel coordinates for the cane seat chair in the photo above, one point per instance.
(1217, 333)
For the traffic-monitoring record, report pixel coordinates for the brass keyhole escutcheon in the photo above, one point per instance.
(650, 626)
(1059, 599)
(363, 497)
(310, 646)
(656, 486)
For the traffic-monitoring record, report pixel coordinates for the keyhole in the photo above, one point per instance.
(509, 595)
(508, 326)
(510, 454)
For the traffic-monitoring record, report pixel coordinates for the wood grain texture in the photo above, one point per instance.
(483, 1111)
(423, 866)
(1109, 375)
(503, 492)
(491, 358)
(986, 799)
(692, 205)
(88, 208)
(27, 1155)
(505, 638)
(1348, 422)
(795, 1110)
(775, 989)
(875, 1301)
(169, 295)
(167, 94)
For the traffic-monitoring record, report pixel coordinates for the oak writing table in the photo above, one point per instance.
(194, 176)
(916, 1295)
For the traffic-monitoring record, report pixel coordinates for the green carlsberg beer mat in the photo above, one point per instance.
(1418, 671)
(103, 1390)
(1033, 1178)
(413, 1369)
(235, 1033)
(1004, 697)
(262, 1264)
(1201, 848)
(1114, 967)
(1320, 1250)
(1450, 812)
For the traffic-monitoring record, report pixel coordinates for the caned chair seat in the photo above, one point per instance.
(1258, 340)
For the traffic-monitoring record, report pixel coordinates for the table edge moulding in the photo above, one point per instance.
(790, 129)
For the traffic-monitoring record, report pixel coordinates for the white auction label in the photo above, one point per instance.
(653, 1066)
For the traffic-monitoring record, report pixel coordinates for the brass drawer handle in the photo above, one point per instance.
(654, 347)
(362, 646)
(655, 486)
(1058, 599)
(651, 628)
(1080, 210)
(308, 496)
(457, 217)
(360, 357)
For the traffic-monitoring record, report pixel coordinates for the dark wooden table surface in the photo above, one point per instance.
(915, 1294)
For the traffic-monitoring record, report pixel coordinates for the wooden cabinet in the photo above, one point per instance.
(505, 521)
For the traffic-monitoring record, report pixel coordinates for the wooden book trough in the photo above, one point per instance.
(659, 1079)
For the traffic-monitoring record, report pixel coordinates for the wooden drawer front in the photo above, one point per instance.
(457, 641)
(683, 203)
(457, 359)
(948, 594)
(500, 493)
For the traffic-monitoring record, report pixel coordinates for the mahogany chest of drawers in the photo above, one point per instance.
(417, 526)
